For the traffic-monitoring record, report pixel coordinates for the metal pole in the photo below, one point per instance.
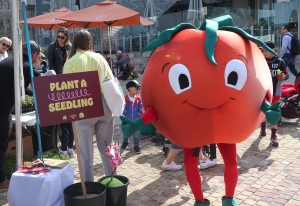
(148, 38)
(123, 43)
(117, 44)
(261, 32)
(39, 153)
(16, 49)
(141, 46)
(109, 42)
(130, 43)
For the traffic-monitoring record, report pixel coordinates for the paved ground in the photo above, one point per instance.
(268, 176)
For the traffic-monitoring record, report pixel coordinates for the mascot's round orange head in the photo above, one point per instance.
(207, 85)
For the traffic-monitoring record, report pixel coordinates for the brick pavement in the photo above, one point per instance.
(268, 176)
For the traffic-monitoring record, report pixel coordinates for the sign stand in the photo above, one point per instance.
(69, 98)
(79, 161)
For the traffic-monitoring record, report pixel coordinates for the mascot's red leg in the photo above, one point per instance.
(192, 174)
(228, 152)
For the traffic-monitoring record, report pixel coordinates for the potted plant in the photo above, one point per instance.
(84, 193)
(116, 185)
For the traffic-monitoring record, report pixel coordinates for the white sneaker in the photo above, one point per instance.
(207, 163)
(171, 166)
(65, 154)
(71, 153)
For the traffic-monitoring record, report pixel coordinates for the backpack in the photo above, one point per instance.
(295, 46)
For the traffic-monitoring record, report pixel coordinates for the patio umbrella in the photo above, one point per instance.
(49, 20)
(106, 14)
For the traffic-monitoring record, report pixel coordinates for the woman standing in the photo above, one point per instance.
(58, 52)
(82, 59)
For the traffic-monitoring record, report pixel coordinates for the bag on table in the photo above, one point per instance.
(113, 94)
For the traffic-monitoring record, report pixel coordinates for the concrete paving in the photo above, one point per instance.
(268, 176)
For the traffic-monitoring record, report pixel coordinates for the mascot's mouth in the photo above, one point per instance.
(201, 108)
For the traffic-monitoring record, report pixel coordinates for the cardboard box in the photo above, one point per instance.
(27, 142)
(27, 146)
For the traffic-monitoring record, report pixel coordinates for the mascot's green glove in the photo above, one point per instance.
(129, 127)
(205, 203)
(229, 201)
(272, 112)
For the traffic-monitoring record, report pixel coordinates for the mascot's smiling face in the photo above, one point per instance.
(198, 102)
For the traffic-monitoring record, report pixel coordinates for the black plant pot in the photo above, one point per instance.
(96, 195)
(117, 196)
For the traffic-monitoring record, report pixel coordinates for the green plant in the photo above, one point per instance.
(27, 105)
(28, 102)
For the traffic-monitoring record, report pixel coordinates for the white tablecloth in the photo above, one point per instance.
(27, 119)
(41, 189)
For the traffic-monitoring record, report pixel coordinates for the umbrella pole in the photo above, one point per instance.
(39, 153)
(109, 43)
(16, 51)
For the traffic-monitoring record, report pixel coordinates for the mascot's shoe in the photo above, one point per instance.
(205, 203)
(229, 201)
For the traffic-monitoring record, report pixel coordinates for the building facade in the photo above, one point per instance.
(261, 18)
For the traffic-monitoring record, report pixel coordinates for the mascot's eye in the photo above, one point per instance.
(179, 78)
(235, 74)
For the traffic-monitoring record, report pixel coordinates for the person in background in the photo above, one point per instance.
(285, 54)
(109, 61)
(38, 63)
(42, 65)
(211, 160)
(8, 98)
(82, 58)
(170, 164)
(58, 52)
(5, 44)
(122, 65)
(133, 109)
(279, 73)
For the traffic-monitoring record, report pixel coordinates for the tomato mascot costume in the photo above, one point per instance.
(203, 86)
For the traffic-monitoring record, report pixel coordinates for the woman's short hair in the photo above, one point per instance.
(6, 39)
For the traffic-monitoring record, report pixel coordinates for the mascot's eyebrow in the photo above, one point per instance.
(211, 27)
(240, 55)
(163, 68)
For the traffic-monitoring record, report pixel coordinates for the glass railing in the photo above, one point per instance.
(125, 43)
(137, 43)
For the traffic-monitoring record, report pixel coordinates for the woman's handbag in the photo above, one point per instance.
(113, 94)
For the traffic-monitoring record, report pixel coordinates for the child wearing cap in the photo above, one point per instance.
(133, 109)
(279, 73)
